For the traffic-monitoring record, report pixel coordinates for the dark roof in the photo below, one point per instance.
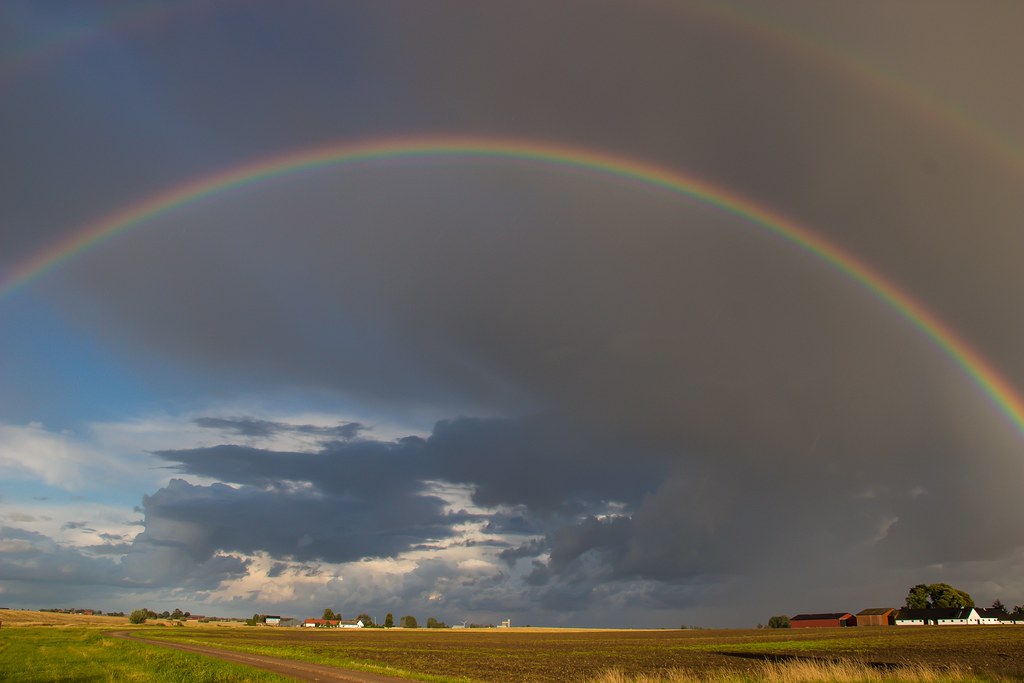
(937, 613)
(828, 615)
(875, 611)
(990, 612)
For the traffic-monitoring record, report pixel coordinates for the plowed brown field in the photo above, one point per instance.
(565, 655)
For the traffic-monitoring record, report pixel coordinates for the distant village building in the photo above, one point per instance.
(351, 623)
(876, 616)
(321, 623)
(824, 620)
(505, 624)
(273, 619)
(942, 616)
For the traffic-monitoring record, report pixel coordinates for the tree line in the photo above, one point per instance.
(408, 621)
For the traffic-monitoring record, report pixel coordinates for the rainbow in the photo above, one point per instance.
(997, 145)
(1001, 393)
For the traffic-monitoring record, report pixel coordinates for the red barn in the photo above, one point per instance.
(828, 620)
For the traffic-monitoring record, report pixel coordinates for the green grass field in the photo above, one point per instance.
(84, 653)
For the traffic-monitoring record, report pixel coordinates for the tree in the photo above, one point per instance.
(937, 595)
(389, 620)
(434, 623)
(1018, 611)
(366, 619)
(998, 606)
(779, 621)
(177, 614)
(139, 616)
(329, 614)
(408, 622)
(917, 598)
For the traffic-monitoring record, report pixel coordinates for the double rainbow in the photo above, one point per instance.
(1001, 393)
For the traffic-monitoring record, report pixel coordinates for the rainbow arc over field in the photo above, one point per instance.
(440, 148)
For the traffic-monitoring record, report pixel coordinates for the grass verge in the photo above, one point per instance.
(811, 671)
(86, 655)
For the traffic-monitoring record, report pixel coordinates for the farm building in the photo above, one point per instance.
(876, 616)
(826, 620)
(989, 615)
(273, 619)
(942, 616)
(351, 623)
(320, 623)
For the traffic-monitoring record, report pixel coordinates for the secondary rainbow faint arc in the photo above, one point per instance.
(998, 390)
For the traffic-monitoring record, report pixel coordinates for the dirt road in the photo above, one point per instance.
(300, 671)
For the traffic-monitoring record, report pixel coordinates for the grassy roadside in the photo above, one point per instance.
(316, 653)
(45, 654)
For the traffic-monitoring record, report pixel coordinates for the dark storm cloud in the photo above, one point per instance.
(531, 548)
(352, 467)
(266, 428)
(299, 524)
(739, 400)
(366, 498)
(538, 462)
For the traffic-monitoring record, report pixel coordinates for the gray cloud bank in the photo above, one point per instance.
(667, 407)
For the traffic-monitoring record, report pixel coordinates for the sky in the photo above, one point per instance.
(575, 314)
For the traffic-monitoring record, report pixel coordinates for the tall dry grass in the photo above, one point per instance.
(808, 671)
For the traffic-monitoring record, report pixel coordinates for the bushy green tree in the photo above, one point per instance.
(779, 621)
(937, 595)
(389, 620)
(999, 607)
(139, 616)
(366, 619)
(918, 596)
(434, 623)
(408, 621)
(329, 614)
